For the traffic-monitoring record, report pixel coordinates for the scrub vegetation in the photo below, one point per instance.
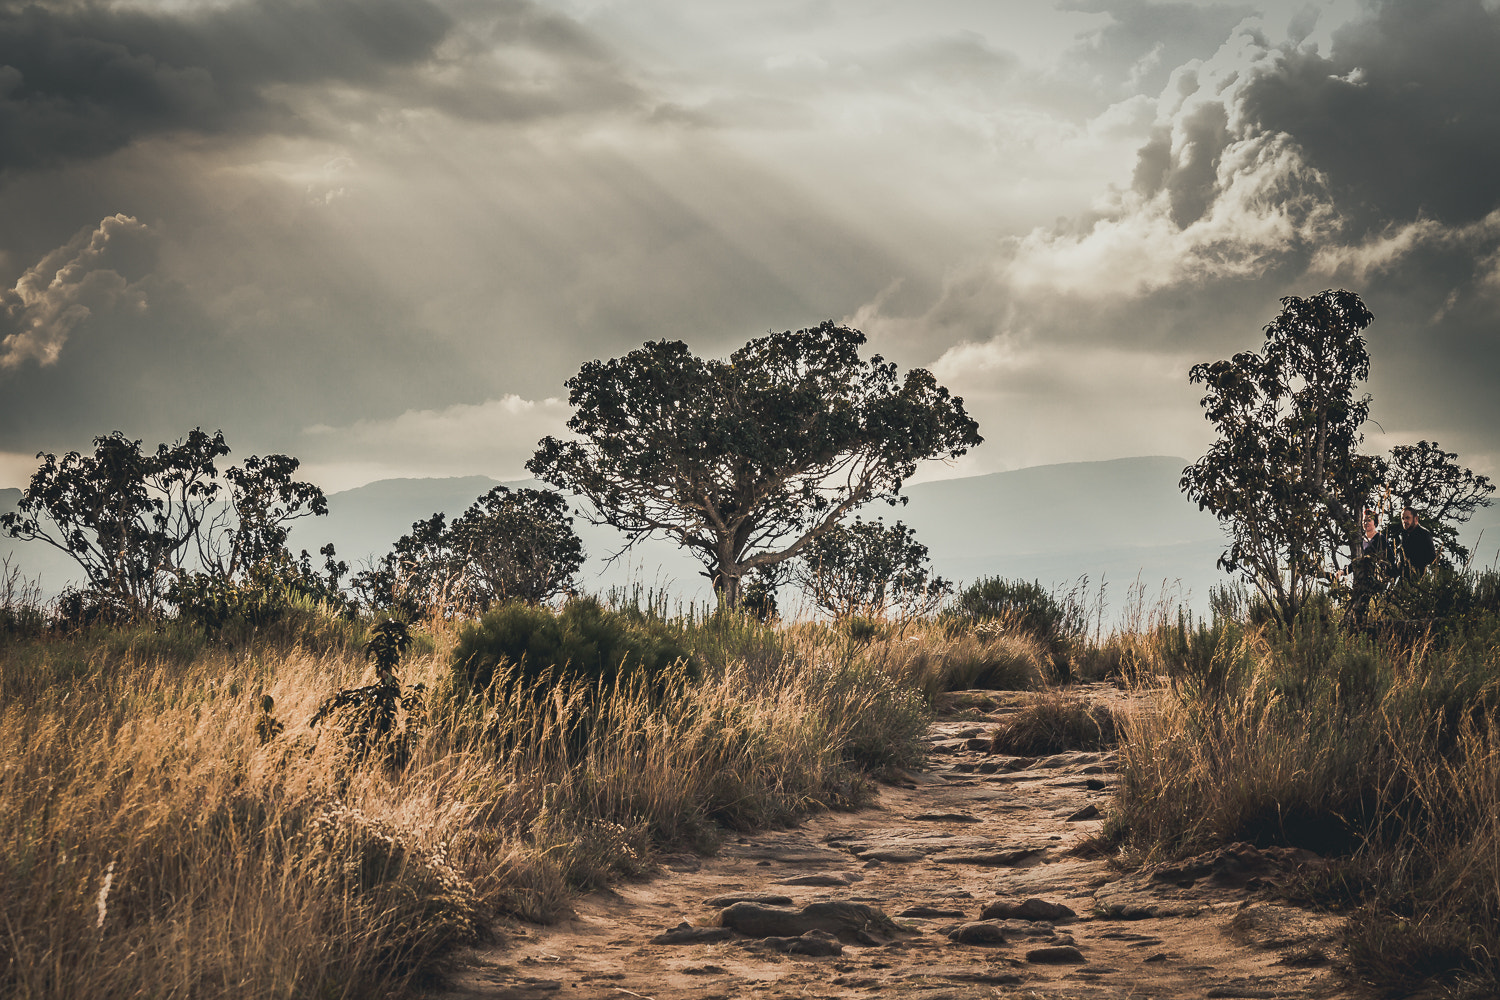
(227, 777)
(172, 824)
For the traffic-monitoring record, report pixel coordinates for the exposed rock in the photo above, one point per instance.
(765, 898)
(813, 944)
(1125, 905)
(929, 911)
(1248, 989)
(977, 932)
(946, 817)
(1235, 865)
(685, 933)
(1089, 811)
(895, 855)
(985, 978)
(994, 859)
(836, 879)
(1030, 909)
(1061, 954)
(849, 921)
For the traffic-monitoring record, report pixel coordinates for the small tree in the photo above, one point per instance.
(1285, 476)
(519, 545)
(746, 461)
(1431, 480)
(869, 568)
(509, 545)
(138, 522)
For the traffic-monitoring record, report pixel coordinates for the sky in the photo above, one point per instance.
(380, 235)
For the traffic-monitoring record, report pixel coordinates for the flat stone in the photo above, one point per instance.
(834, 880)
(986, 978)
(1064, 954)
(1089, 811)
(929, 911)
(895, 855)
(813, 944)
(1249, 990)
(685, 933)
(1030, 909)
(1140, 906)
(993, 859)
(849, 921)
(765, 898)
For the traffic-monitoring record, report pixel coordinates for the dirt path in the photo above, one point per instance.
(974, 830)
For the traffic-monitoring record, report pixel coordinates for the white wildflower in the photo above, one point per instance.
(103, 901)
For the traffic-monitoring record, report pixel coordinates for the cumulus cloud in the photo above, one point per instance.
(64, 288)
(1271, 168)
(493, 438)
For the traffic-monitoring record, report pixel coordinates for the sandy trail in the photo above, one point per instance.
(934, 851)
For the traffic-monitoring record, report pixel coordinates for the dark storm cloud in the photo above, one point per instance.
(1403, 116)
(82, 80)
(1191, 177)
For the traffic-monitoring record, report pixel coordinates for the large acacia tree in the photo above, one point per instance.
(1286, 477)
(746, 461)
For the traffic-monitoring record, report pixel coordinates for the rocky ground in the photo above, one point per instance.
(963, 882)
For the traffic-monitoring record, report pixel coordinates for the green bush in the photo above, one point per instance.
(1059, 624)
(585, 640)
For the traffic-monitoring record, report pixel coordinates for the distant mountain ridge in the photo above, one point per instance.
(1116, 519)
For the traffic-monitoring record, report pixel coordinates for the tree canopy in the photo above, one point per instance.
(746, 461)
(869, 568)
(136, 522)
(509, 545)
(1285, 475)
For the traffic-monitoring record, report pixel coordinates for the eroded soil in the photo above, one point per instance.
(938, 848)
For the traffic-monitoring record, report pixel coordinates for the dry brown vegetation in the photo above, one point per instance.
(160, 836)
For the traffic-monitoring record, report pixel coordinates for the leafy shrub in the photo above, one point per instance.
(585, 639)
(1058, 623)
(1054, 724)
(366, 716)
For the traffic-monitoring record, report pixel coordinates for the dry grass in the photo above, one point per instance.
(1386, 756)
(1054, 723)
(152, 844)
(932, 657)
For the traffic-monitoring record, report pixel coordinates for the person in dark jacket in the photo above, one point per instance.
(1417, 549)
(1370, 571)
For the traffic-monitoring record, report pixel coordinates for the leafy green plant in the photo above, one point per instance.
(367, 716)
(510, 545)
(1285, 476)
(584, 639)
(1027, 608)
(135, 522)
